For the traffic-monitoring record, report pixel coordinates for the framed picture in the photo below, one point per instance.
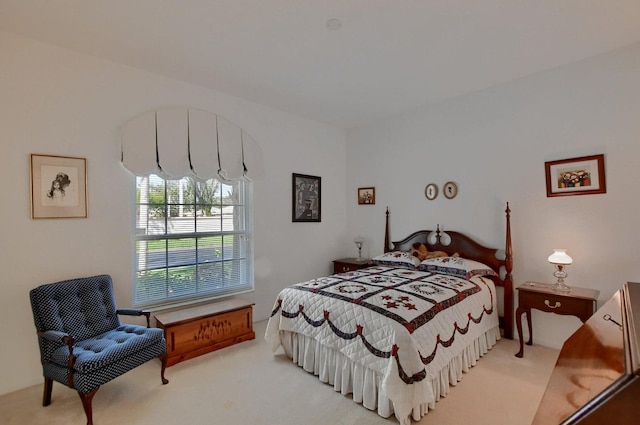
(576, 176)
(431, 191)
(58, 187)
(450, 190)
(366, 195)
(306, 191)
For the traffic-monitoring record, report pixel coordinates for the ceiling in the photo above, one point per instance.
(389, 56)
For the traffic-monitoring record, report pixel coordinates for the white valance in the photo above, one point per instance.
(180, 142)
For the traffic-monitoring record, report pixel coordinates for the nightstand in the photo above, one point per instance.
(349, 264)
(580, 302)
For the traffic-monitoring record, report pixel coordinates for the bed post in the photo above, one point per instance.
(386, 232)
(508, 281)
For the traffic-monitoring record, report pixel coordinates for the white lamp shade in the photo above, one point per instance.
(560, 256)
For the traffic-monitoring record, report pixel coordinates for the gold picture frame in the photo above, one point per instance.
(58, 186)
(575, 176)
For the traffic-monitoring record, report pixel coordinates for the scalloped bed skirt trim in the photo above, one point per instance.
(349, 377)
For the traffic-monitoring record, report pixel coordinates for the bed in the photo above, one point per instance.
(397, 335)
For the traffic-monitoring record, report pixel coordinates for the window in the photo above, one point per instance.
(192, 239)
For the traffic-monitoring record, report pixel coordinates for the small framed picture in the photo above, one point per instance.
(431, 191)
(58, 187)
(366, 195)
(450, 190)
(575, 176)
(306, 192)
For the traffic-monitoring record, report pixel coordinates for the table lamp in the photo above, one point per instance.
(359, 241)
(560, 259)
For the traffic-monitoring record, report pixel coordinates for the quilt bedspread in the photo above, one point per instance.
(404, 324)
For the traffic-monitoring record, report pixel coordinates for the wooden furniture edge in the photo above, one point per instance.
(222, 306)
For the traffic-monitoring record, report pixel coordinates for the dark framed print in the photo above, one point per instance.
(306, 194)
(366, 195)
(58, 186)
(576, 176)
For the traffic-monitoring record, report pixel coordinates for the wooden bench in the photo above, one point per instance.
(198, 330)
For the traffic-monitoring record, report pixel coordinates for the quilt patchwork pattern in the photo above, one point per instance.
(409, 297)
(385, 310)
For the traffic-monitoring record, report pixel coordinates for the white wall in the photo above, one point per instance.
(53, 101)
(493, 144)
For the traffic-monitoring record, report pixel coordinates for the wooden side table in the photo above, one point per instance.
(580, 302)
(349, 264)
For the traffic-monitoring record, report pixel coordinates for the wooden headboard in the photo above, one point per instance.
(451, 242)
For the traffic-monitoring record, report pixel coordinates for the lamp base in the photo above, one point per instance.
(560, 274)
(561, 287)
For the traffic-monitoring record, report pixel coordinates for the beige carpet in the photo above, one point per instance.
(248, 384)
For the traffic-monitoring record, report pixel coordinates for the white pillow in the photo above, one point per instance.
(396, 259)
(457, 266)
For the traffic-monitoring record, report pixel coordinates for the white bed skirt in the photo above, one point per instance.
(348, 377)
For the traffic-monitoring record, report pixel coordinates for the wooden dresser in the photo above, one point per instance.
(596, 379)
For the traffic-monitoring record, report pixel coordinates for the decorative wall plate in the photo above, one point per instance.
(431, 191)
(450, 190)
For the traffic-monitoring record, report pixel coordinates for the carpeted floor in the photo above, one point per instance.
(248, 384)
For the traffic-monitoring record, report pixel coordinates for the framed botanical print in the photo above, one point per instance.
(58, 186)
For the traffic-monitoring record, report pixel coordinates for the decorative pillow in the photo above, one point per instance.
(396, 259)
(456, 266)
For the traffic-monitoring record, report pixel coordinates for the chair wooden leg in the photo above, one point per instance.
(48, 387)
(86, 404)
(163, 359)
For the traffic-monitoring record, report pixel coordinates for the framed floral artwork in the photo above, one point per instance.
(576, 176)
(58, 186)
(366, 195)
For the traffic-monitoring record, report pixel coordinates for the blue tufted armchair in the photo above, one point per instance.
(82, 342)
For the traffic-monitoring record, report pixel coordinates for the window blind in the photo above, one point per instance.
(192, 239)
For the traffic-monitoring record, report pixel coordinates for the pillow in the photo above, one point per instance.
(396, 259)
(456, 266)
